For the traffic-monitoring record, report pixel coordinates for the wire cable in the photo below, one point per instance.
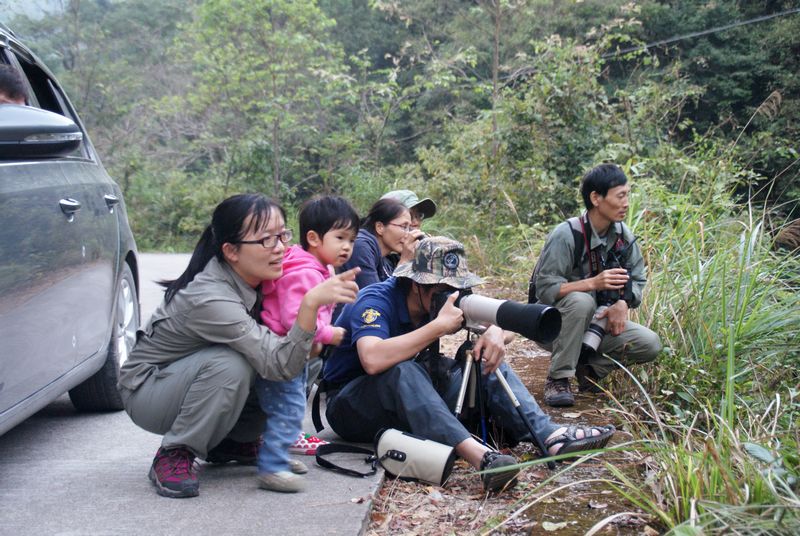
(700, 33)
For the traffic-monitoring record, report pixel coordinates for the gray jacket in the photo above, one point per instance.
(555, 265)
(215, 308)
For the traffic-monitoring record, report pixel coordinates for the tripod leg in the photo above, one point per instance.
(515, 402)
(464, 382)
(481, 405)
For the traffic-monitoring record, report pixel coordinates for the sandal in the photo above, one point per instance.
(570, 443)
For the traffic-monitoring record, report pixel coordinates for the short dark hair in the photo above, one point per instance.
(383, 211)
(601, 179)
(11, 83)
(323, 213)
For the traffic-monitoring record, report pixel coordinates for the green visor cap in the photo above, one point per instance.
(439, 260)
(426, 206)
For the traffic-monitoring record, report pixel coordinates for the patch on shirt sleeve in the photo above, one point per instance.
(369, 316)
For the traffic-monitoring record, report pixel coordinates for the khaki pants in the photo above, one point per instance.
(199, 400)
(637, 344)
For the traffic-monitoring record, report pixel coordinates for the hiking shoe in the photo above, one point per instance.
(282, 481)
(306, 444)
(587, 379)
(297, 467)
(499, 480)
(174, 474)
(557, 392)
(229, 450)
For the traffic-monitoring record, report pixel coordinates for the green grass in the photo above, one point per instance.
(716, 416)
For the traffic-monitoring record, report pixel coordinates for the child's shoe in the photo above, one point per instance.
(282, 481)
(297, 467)
(306, 444)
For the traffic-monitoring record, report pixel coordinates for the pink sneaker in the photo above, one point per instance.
(306, 444)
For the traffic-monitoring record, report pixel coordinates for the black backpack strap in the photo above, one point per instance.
(577, 253)
(315, 418)
(577, 235)
(333, 448)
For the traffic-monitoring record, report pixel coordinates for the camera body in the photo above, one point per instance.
(594, 334)
(540, 323)
(616, 259)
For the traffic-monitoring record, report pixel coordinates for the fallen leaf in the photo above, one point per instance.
(598, 505)
(571, 415)
(650, 531)
(551, 527)
(539, 475)
(378, 517)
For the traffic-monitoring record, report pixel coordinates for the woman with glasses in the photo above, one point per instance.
(386, 229)
(189, 377)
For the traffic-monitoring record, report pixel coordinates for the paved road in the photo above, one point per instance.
(67, 473)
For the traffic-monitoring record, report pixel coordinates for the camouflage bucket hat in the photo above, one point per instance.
(439, 260)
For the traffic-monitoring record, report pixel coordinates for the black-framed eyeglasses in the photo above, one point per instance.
(270, 241)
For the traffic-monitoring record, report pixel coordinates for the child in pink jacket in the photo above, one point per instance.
(328, 228)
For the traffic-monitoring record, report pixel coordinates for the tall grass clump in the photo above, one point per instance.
(714, 419)
(719, 432)
(722, 300)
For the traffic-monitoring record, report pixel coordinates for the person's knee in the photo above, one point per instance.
(651, 346)
(407, 384)
(229, 368)
(408, 373)
(578, 305)
(644, 347)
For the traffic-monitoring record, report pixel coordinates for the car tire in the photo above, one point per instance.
(99, 392)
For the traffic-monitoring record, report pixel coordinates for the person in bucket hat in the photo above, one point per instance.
(421, 209)
(439, 260)
(387, 372)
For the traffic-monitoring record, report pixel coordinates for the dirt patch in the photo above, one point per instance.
(570, 503)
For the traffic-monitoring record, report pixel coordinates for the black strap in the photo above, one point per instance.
(315, 418)
(333, 448)
(330, 389)
(595, 261)
(576, 225)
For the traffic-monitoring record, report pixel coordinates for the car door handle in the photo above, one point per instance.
(111, 202)
(69, 206)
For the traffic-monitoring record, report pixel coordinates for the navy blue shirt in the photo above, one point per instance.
(367, 255)
(380, 310)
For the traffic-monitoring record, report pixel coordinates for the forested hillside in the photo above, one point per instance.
(495, 108)
(481, 104)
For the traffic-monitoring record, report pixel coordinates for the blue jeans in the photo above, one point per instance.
(284, 404)
(403, 397)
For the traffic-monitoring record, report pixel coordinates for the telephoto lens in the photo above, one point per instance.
(540, 323)
(594, 334)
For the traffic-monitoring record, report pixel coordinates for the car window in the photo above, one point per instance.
(46, 94)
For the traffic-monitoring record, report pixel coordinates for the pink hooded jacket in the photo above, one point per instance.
(301, 272)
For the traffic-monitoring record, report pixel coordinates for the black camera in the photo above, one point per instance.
(540, 323)
(617, 258)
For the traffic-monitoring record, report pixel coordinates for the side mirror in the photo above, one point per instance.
(27, 132)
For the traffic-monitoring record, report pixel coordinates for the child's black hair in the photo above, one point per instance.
(323, 213)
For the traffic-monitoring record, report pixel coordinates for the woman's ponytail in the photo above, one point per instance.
(203, 252)
(232, 220)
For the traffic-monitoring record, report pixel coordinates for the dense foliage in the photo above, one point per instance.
(495, 108)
